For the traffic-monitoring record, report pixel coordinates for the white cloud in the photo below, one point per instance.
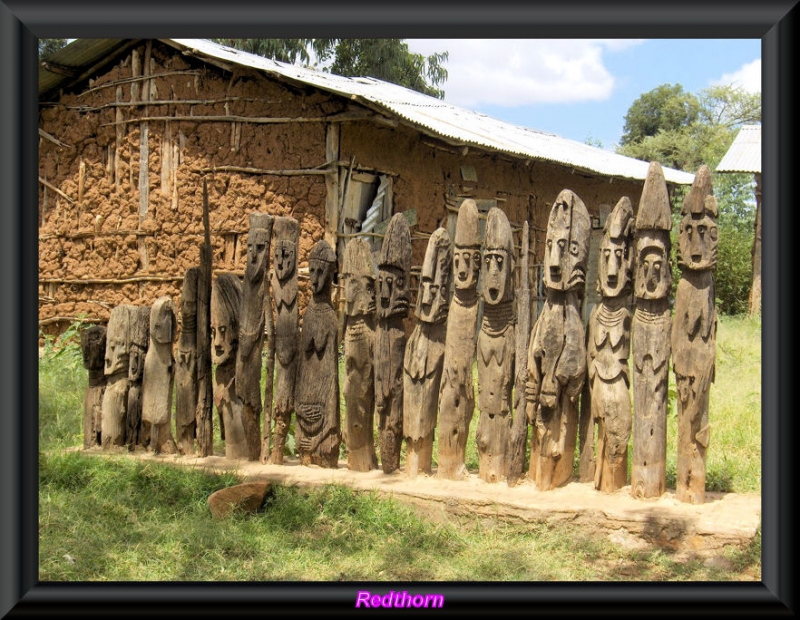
(747, 77)
(516, 72)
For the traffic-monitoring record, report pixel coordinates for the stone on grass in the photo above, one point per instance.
(247, 497)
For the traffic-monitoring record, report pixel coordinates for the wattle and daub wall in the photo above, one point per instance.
(120, 216)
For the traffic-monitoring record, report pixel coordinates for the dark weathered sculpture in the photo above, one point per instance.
(457, 390)
(517, 441)
(606, 399)
(394, 270)
(286, 231)
(226, 303)
(694, 334)
(139, 336)
(317, 432)
(359, 274)
(158, 378)
(496, 347)
(251, 329)
(117, 361)
(93, 350)
(186, 366)
(557, 350)
(424, 355)
(205, 398)
(650, 337)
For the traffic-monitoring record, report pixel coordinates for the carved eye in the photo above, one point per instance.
(573, 248)
(499, 260)
(701, 230)
(400, 281)
(562, 244)
(618, 254)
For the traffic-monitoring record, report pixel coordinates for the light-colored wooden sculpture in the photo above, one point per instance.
(694, 334)
(457, 390)
(285, 232)
(359, 274)
(606, 398)
(317, 432)
(517, 442)
(424, 355)
(93, 351)
(186, 366)
(158, 378)
(557, 350)
(650, 337)
(205, 399)
(139, 337)
(226, 304)
(251, 330)
(117, 361)
(394, 270)
(496, 347)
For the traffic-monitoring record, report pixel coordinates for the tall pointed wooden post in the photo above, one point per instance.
(557, 350)
(694, 334)
(394, 271)
(205, 397)
(158, 378)
(117, 361)
(457, 391)
(251, 329)
(496, 348)
(606, 399)
(517, 441)
(139, 338)
(650, 337)
(286, 231)
(93, 349)
(359, 274)
(186, 366)
(318, 429)
(424, 354)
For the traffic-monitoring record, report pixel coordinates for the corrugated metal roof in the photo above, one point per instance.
(426, 113)
(744, 154)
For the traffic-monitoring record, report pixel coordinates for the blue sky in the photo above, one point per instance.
(582, 88)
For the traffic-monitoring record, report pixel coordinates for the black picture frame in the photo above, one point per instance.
(22, 22)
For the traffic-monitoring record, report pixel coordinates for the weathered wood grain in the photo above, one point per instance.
(186, 366)
(158, 378)
(93, 350)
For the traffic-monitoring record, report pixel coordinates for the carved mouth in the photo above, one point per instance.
(462, 276)
(494, 292)
(696, 258)
(555, 274)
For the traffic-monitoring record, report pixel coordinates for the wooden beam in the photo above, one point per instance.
(332, 185)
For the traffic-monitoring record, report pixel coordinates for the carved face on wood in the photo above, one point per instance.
(189, 301)
(321, 268)
(653, 273)
(433, 299)
(697, 239)
(467, 243)
(615, 251)
(567, 244)
(226, 301)
(117, 356)
(358, 274)
(162, 320)
(497, 267)
(257, 254)
(467, 267)
(284, 259)
(393, 293)
(394, 266)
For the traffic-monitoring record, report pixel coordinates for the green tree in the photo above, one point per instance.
(385, 59)
(48, 46)
(682, 130)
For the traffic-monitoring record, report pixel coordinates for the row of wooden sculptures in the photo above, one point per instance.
(569, 383)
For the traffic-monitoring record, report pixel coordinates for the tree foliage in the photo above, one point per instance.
(48, 46)
(385, 59)
(684, 131)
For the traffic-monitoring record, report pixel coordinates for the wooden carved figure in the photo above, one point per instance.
(93, 349)
(650, 337)
(251, 329)
(139, 335)
(226, 303)
(694, 334)
(557, 349)
(359, 274)
(186, 366)
(457, 389)
(519, 425)
(159, 378)
(394, 270)
(317, 432)
(117, 361)
(606, 398)
(205, 393)
(424, 354)
(496, 348)
(286, 231)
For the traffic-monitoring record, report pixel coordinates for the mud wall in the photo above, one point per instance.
(120, 216)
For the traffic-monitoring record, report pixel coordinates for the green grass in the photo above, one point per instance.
(107, 519)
